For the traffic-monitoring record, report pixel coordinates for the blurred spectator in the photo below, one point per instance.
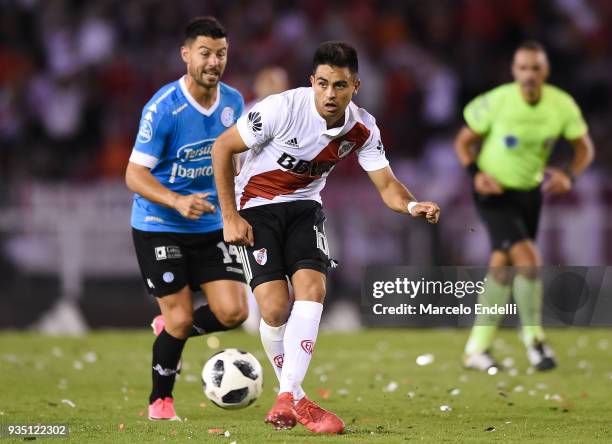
(268, 81)
(74, 73)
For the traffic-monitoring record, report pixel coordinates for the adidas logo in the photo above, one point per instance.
(292, 143)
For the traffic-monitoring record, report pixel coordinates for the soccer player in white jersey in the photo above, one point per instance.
(294, 140)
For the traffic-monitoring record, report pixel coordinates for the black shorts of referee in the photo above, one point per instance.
(510, 217)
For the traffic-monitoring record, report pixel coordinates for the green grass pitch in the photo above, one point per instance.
(98, 384)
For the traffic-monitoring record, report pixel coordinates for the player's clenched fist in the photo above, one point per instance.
(237, 231)
(192, 206)
(429, 210)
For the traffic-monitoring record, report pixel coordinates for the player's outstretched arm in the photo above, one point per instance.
(397, 197)
(139, 179)
(560, 181)
(236, 230)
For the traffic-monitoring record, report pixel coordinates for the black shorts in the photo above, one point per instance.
(170, 261)
(289, 236)
(510, 217)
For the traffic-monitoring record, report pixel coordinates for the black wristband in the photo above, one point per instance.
(472, 169)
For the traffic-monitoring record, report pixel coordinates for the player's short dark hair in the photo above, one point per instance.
(338, 54)
(204, 26)
(532, 45)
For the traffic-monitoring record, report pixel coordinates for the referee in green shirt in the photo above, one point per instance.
(516, 126)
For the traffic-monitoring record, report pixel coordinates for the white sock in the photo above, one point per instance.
(299, 342)
(272, 341)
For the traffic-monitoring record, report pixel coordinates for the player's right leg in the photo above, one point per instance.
(162, 264)
(177, 312)
(273, 300)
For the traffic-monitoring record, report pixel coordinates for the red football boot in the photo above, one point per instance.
(282, 414)
(316, 419)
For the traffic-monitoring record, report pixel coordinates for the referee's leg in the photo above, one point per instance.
(525, 257)
(527, 289)
(477, 353)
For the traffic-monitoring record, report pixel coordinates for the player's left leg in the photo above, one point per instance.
(528, 293)
(253, 321)
(226, 309)
(300, 339)
(176, 310)
(216, 268)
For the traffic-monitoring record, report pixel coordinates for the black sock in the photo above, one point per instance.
(166, 354)
(205, 321)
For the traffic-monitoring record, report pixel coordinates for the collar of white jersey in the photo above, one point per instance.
(207, 112)
(333, 132)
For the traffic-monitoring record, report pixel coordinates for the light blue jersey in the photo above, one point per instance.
(175, 140)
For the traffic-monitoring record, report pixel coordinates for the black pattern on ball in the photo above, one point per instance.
(218, 372)
(235, 396)
(246, 369)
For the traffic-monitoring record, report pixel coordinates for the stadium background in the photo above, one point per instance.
(75, 75)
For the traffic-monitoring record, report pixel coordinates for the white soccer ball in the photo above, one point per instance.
(232, 379)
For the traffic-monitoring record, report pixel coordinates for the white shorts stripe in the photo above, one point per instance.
(246, 258)
(246, 261)
(246, 276)
(245, 264)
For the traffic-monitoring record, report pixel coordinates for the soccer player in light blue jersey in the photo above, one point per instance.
(176, 221)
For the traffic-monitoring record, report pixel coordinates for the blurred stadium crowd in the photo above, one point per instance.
(75, 74)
